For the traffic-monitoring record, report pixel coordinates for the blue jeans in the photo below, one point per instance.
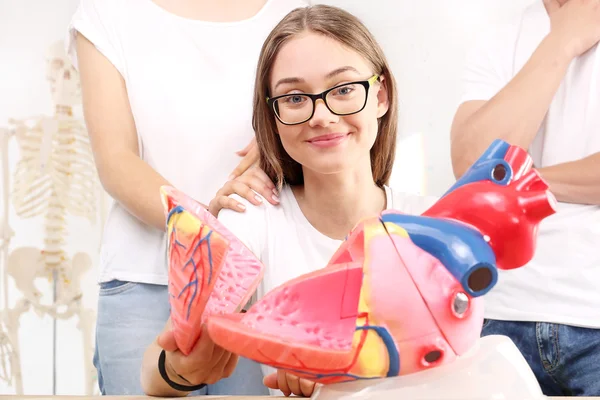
(565, 359)
(130, 316)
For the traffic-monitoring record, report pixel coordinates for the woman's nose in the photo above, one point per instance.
(322, 116)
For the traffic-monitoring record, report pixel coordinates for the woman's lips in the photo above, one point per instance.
(329, 140)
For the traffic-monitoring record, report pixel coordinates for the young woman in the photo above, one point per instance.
(166, 92)
(325, 117)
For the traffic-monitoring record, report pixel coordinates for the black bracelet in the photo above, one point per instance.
(163, 372)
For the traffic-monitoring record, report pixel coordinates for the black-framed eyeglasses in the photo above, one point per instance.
(345, 99)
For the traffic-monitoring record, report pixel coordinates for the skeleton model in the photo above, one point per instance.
(54, 177)
(9, 357)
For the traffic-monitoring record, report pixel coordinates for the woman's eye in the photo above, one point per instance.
(344, 90)
(295, 99)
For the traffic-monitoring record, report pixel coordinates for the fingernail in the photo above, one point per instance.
(275, 198)
(241, 206)
(257, 197)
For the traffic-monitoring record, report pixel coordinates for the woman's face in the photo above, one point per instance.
(327, 143)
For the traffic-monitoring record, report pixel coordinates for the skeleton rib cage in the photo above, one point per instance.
(67, 171)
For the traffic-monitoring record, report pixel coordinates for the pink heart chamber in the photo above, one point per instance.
(330, 325)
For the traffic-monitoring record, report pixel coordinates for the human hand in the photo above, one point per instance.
(249, 156)
(251, 181)
(289, 384)
(575, 25)
(207, 362)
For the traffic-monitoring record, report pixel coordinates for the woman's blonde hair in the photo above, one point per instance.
(345, 28)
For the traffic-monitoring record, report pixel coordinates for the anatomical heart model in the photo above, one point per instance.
(55, 177)
(210, 270)
(403, 292)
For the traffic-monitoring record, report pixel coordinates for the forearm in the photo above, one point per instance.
(576, 181)
(516, 112)
(152, 382)
(134, 184)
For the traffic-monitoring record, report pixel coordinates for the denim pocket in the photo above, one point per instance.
(486, 322)
(115, 287)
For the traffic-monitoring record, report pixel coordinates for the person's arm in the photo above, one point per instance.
(576, 181)
(152, 382)
(516, 112)
(113, 137)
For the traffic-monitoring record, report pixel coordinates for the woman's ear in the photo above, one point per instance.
(383, 102)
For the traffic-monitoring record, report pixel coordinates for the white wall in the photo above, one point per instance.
(425, 41)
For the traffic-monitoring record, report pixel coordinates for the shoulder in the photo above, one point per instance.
(494, 42)
(489, 60)
(410, 203)
(97, 11)
(103, 23)
(500, 39)
(251, 212)
(252, 226)
(248, 226)
(265, 214)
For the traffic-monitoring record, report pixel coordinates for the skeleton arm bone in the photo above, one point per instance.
(124, 175)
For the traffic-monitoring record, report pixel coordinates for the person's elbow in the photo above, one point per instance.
(460, 150)
(146, 383)
(465, 138)
(113, 168)
(150, 380)
(149, 386)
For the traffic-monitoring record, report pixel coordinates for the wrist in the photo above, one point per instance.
(561, 47)
(173, 375)
(172, 378)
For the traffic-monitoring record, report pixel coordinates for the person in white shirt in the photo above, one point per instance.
(536, 83)
(325, 117)
(167, 94)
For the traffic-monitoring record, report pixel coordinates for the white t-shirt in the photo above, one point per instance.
(562, 282)
(287, 244)
(190, 86)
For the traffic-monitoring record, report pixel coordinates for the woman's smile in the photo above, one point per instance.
(328, 140)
